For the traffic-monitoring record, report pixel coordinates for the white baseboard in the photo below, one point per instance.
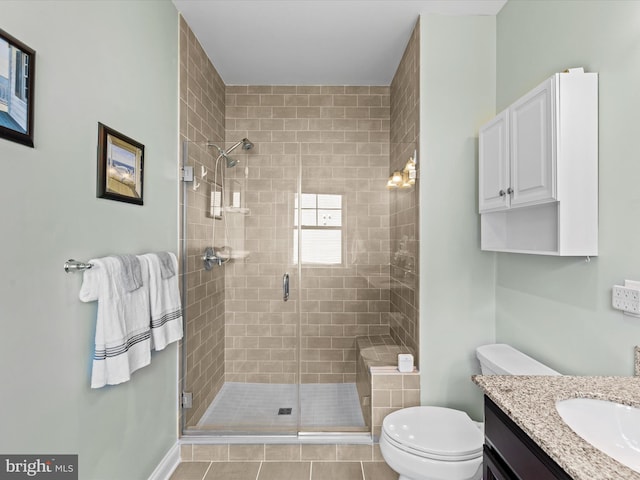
(167, 465)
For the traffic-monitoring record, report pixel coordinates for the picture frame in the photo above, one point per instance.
(120, 167)
(17, 81)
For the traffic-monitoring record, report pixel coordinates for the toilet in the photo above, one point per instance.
(436, 443)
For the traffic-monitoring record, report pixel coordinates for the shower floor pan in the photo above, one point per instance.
(260, 406)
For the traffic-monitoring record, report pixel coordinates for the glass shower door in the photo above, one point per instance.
(237, 317)
(337, 242)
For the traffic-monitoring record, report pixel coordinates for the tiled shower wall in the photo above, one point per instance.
(348, 139)
(404, 203)
(202, 96)
(341, 136)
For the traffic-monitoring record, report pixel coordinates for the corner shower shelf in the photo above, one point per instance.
(240, 210)
(235, 255)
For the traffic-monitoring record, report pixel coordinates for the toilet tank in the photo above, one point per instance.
(503, 359)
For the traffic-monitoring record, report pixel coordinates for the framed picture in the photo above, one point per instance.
(120, 166)
(17, 74)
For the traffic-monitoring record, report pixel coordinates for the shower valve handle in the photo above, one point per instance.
(285, 287)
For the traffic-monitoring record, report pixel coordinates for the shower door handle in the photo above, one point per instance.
(285, 287)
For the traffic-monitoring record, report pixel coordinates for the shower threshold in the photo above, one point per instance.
(200, 437)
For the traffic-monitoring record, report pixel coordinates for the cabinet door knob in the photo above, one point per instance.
(501, 193)
(510, 191)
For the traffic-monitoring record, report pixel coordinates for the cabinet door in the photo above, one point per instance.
(493, 468)
(493, 168)
(533, 158)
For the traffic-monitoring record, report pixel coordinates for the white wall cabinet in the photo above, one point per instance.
(538, 170)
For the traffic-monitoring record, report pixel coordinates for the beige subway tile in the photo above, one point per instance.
(211, 453)
(389, 382)
(308, 89)
(355, 453)
(320, 100)
(337, 470)
(282, 470)
(358, 90)
(381, 398)
(284, 89)
(190, 471)
(377, 454)
(275, 453)
(411, 398)
(357, 112)
(246, 100)
(411, 381)
(345, 100)
(332, 112)
(397, 399)
(378, 471)
(233, 470)
(260, 89)
(272, 100)
(284, 112)
(369, 100)
(186, 453)
(236, 89)
(296, 124)
(378, 414)
(318, 452)
(246, 452)
(308, 112)
(381, 90)
(259, 112)
(296, 100)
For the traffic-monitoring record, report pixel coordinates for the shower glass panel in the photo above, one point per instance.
(341, 246)
(240, 352)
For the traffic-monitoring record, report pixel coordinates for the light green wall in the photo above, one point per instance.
(457, 92)
(117, 63)
(558, 309)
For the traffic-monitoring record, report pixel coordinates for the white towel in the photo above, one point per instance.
(123, 335)
(164, 299)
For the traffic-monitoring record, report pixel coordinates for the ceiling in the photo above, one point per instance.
(313, 42)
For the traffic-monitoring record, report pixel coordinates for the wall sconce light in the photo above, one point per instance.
(406, 178)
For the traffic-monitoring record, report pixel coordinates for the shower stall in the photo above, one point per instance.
(285, 261)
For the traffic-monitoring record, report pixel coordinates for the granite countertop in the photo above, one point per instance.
(530, 402)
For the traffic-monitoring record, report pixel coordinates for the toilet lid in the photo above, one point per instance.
(434, 432)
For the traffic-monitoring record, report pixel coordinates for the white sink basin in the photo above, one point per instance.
(611, 427)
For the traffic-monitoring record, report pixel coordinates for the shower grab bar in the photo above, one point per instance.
(285, 287)
(72, 265)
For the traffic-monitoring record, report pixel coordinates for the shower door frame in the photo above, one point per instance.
(276, 435)
(298, 431)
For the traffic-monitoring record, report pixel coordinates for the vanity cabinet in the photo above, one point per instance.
(509, 453)
(538, 170)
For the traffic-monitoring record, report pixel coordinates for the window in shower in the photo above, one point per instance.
(320, 229)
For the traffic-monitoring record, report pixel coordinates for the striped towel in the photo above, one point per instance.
(164, 300)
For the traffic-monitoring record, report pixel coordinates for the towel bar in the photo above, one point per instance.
(72, 265)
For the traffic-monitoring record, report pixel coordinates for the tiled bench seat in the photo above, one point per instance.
(381, 387)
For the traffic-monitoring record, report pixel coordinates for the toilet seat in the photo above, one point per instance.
(434, 432)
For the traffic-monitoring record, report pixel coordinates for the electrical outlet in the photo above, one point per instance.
(626, 298)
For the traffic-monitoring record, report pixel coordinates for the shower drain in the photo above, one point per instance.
(284, 411)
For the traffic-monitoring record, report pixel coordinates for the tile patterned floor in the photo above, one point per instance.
(257, 404)
(284, 471)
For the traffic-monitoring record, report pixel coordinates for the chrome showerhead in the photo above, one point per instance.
(231, 162)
